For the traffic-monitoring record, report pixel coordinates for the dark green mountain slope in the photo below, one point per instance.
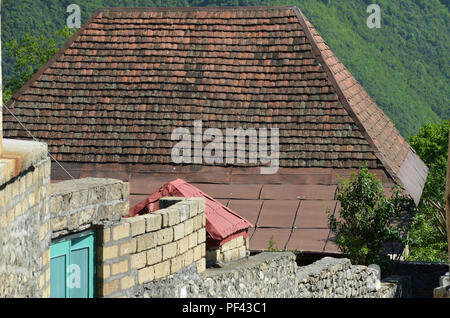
(403, 65)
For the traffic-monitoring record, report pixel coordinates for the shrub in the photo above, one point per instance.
(369, 222)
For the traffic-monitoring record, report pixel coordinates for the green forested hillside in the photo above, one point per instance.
(404, 65)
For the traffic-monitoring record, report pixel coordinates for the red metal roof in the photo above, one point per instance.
(221, 222)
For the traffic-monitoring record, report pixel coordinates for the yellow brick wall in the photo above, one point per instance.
(230, 251)
(169, 239)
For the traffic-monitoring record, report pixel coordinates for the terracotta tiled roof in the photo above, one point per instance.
(107, 104)
(221, 221)
(129, 77)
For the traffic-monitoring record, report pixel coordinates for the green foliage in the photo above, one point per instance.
(431, 144)
(29, 54)
(273, 247)
(369, 221)
(403, 65)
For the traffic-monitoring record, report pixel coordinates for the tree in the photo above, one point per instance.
(30, 54)
(369, 222)
(427, 241)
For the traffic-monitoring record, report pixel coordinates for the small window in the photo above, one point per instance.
(72, 266)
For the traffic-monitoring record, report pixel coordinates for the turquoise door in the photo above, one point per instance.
(72, 267)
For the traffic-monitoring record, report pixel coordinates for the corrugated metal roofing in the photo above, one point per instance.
(221, 222)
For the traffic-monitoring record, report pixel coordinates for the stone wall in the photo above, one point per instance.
(272, 275)
(25, 225)
(99, 204)
(77, 205)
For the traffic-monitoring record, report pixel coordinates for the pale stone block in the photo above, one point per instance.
(106, 235)
(193, 240)
(201, 265)
(239, 241)
(165, 236)
(11, 214)
(59, 223)
(146, 274)
(121, 231)
(125, 190)
(79, 199)
(43, 190)
(197, 222)
(169, 250)
(173, 217)
(73, 221)
(105, 212)
(178, 231)
(188, 227)
(162, 269)
(183, 245)
(109, 288)
(122, 208)
(242, 251)
(120, 267)
(97, 195)
(137, 224)
(4, 221)
(225, 246)
(55, 204)
(176, 264)
(188, 257)
(235, 254)
(201, 235)
(153, 222)
(8, 193)
(86, 216)
(138, 260)
(41, 280)
(128, 247)
(127, 282)
(110, 252)
(197, 253)
(183, 209)
(154, 255)
(32, 203)
(22, 184)
(193, 207)
(114, 192)
(203, 219)
(146, 241)
(227, 256)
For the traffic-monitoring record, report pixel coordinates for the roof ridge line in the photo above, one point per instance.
(206, 8)
(387, 164)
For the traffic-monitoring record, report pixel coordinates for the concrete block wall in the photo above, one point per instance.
(232, 250)
(169, 239)
(25, 229)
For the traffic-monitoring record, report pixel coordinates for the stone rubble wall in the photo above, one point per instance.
(99, 204)
(272, 275)
(25, 232)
